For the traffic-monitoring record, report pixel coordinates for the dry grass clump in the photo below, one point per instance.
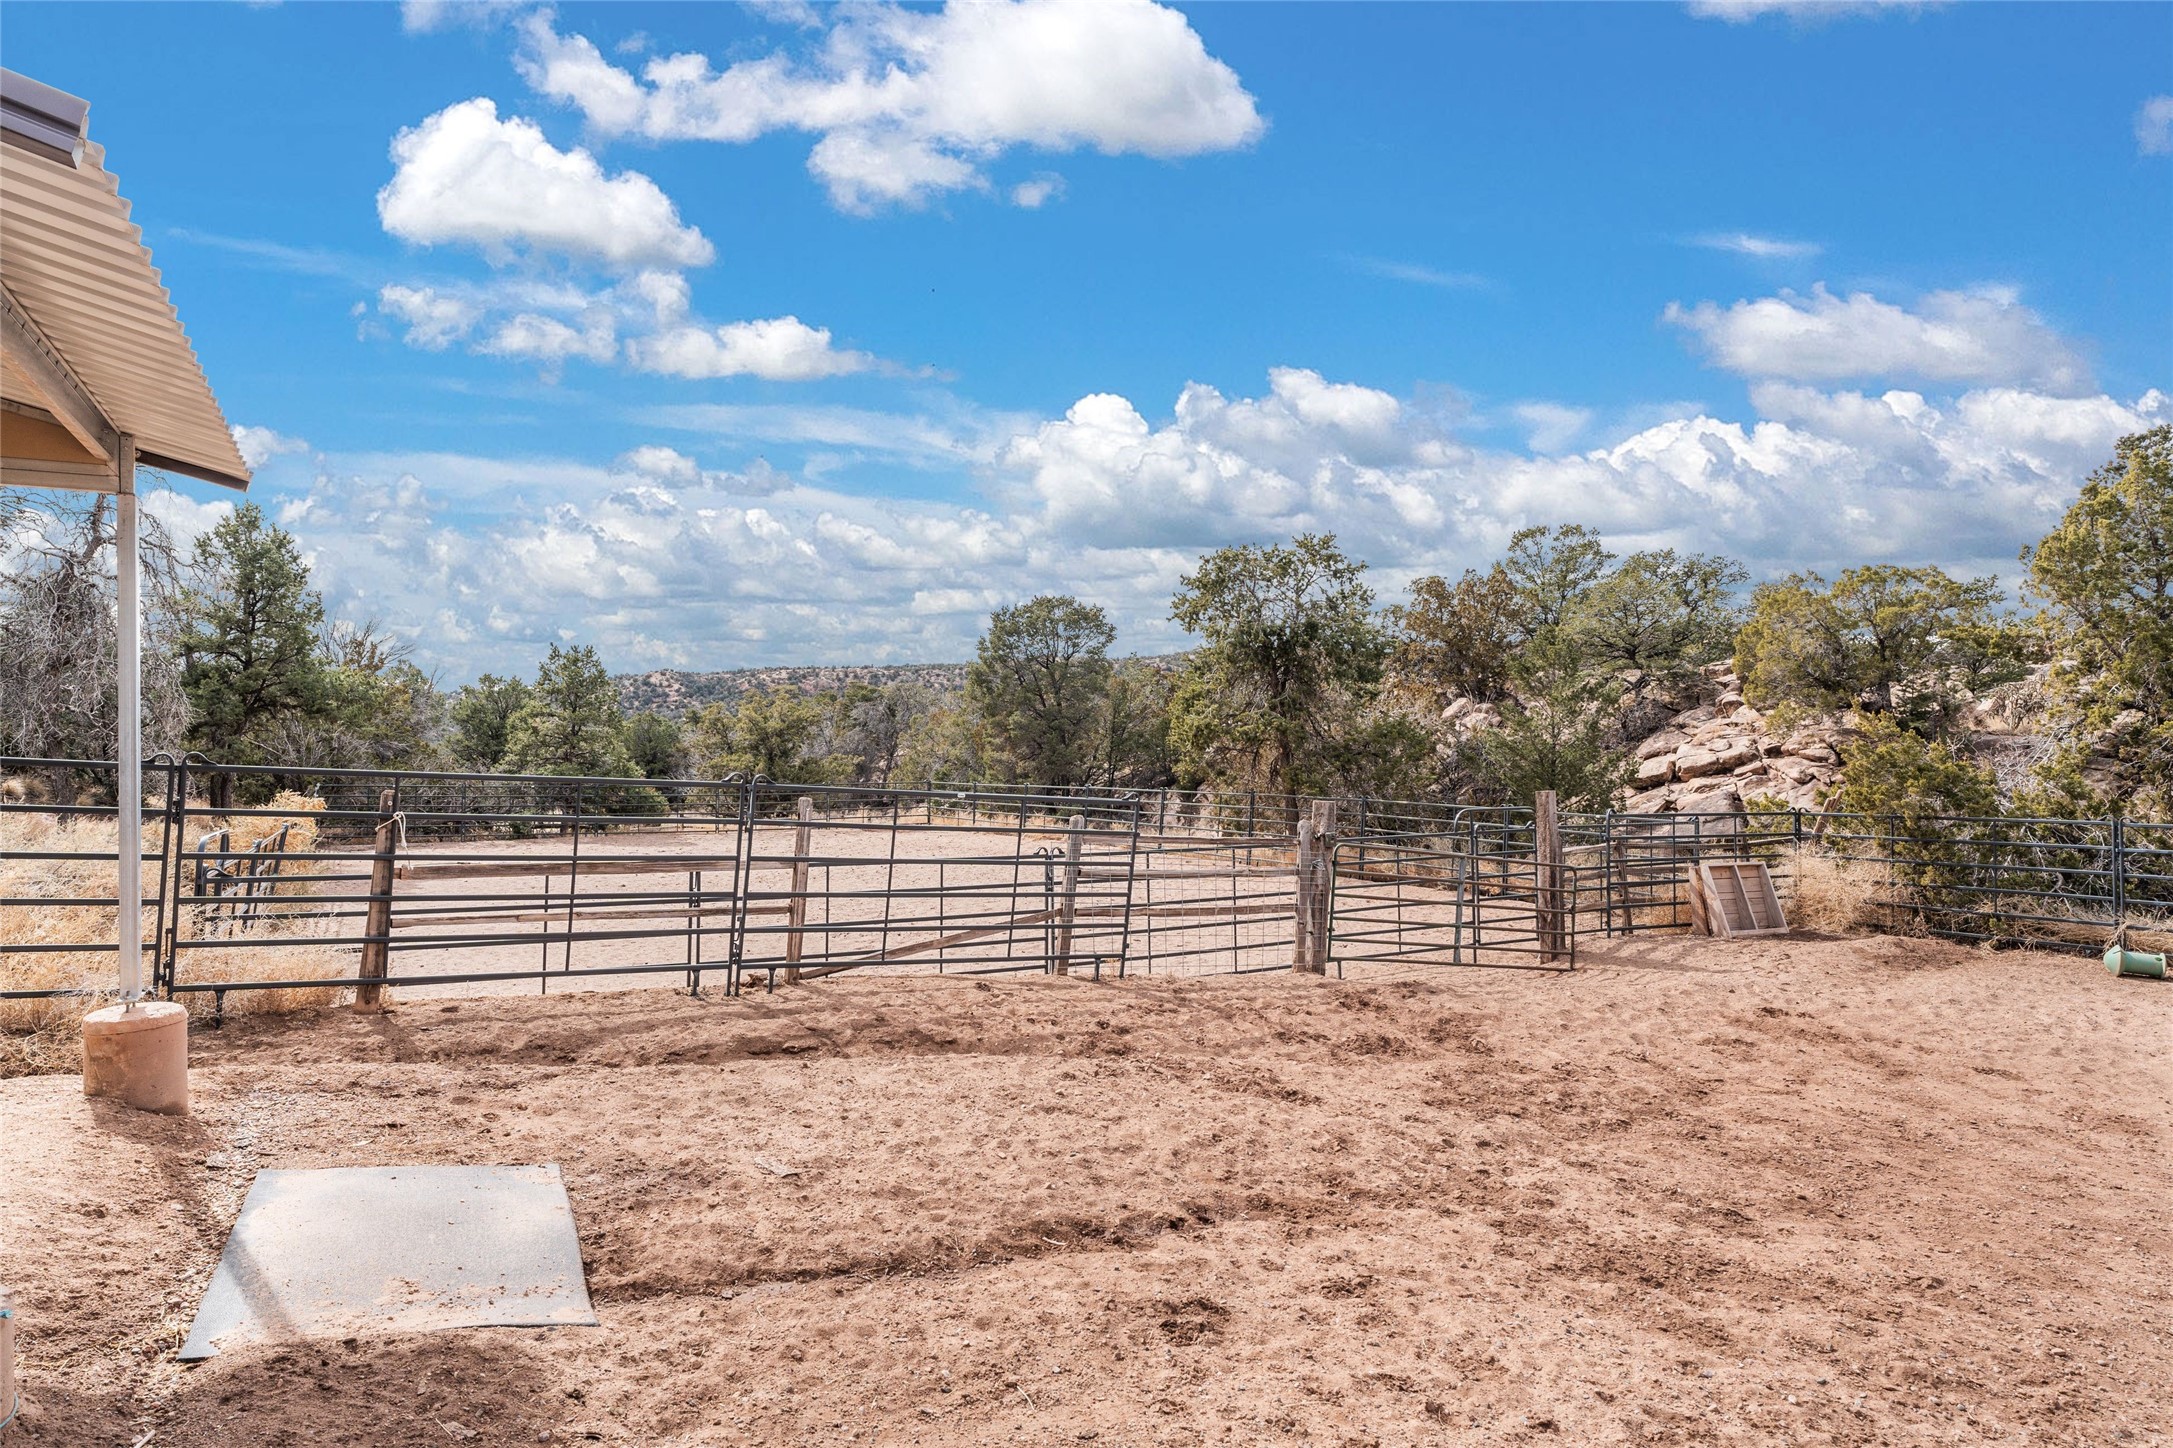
(1841, 897)
(43, 1035)
(298, 812)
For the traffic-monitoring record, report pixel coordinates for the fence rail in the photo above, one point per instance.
(407, 878)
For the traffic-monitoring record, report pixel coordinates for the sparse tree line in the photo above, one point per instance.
(1302, 681)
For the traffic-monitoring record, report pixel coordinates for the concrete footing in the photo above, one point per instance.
(139, 1055)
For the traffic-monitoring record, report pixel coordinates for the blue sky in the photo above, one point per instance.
(718, 335)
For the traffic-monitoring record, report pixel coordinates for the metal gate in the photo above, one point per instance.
(1476, 892)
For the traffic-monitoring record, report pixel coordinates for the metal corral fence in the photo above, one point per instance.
(1218, 810)
(373, 878)
(1485, 888)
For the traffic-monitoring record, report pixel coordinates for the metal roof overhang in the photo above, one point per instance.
(91, 349)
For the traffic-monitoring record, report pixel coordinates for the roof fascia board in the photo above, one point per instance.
(160, 463)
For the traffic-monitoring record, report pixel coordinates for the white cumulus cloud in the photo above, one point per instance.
(421, 17)
(1552, 426)
(780, 349)
(642, 322)
(1037, 192)
(1982, 336)
(466, 176)
(669, 559)
(259, 445)
(2154, 126)
(907, 104)
(433, 319)
(533, 337)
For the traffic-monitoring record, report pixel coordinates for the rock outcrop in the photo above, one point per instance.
(1712, 758)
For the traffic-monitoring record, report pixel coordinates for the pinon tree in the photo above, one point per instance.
(779, 734)
(1907, 643)
(1280, 693)
(657, 746)
(875, 722)
(2104, 579)
(248, 639)
(482, 713)
(1040, 683)
(1458, 640)
(570, 722)
(1657, 617)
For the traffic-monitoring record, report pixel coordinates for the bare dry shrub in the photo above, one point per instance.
(1834, 896)
(43, 1035)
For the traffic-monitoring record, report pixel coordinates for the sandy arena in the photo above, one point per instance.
(1802, 1191)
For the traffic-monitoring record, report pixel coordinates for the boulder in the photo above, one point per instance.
(1716, 756)
(1657, 770)
(1748, 716)
(1722, 801)
(1695, 763)
(1692, 718)
(1667, 741)
(1651, 801)
(1795, 770)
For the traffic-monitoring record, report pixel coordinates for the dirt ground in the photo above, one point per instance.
(1800, 1191)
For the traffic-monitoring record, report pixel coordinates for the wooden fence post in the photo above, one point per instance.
(1068, 902)
(1547, 875)
(796, 912)
(377, 923)
(1324, 838)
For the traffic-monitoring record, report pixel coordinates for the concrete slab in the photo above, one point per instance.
(349, 1250)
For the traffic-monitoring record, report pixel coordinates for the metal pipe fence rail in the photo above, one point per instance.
(521, 880)
(1216, 904)
(59, 861)
(1223, 811)
(1474, 894)
(580, 884)
(1634, 872)
(456, 879)
(2048, 883)
(842, 878)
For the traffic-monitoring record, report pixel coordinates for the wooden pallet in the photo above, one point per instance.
(1731, 898)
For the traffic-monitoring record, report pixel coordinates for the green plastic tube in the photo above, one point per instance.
(2135, 962)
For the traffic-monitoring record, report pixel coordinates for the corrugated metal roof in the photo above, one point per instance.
(77, 266)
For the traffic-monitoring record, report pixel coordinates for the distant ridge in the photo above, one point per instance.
(675, 693)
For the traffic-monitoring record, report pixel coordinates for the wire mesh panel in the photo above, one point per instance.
(1207, 905)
